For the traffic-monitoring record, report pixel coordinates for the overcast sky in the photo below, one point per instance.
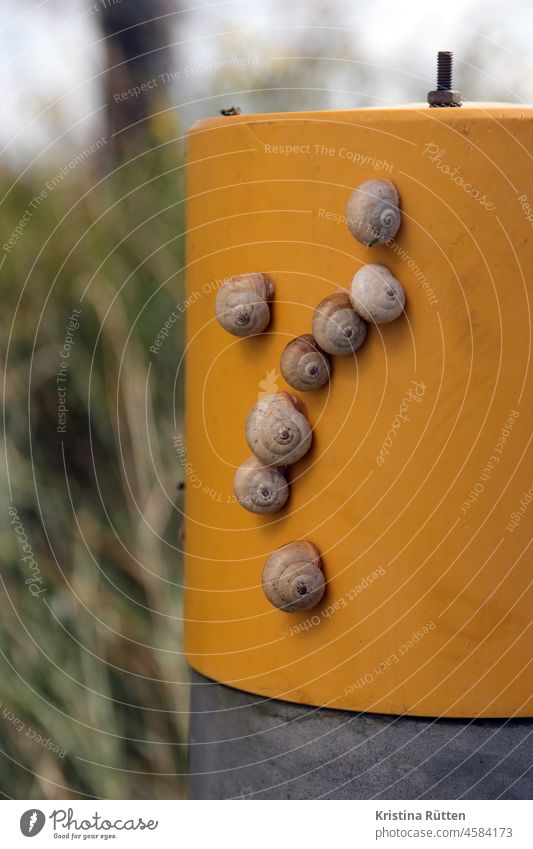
(51, 56)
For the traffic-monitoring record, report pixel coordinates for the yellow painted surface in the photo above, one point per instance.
(418, 539)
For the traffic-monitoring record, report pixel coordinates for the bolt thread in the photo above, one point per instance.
(444, 70)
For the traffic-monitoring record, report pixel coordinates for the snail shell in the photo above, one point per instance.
(376, 294)
(242, 304)
(259, 488)
(292, 577)
(303, 365)
(373, 213)
(276, 431)
(337, 328)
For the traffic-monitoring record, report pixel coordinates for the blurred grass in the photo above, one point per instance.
(94, 662)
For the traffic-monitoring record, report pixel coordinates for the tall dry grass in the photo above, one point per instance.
(92, 664)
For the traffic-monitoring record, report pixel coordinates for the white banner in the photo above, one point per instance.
(255, 825)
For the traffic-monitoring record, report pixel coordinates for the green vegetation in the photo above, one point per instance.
(92, 686)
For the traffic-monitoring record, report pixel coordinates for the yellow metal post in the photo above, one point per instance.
(417, 489)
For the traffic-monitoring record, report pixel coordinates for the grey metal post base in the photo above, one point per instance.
(243, 746)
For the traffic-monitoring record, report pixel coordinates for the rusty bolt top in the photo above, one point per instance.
(444, 95)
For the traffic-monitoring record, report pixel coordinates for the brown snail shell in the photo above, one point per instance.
(337, 328)
(292, 577)
(260, 488)
(376, 294)
(242, 304)
(303, 365)
(277, 432)
(373, 212)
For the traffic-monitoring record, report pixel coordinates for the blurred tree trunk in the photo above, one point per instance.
(137, 35)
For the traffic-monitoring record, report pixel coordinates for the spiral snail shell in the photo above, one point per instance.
(337, 328)
(242, 304)
(303, 365)
(277, 432)
(292, 577)
(373, 212)
(376, 295)
(260, 488)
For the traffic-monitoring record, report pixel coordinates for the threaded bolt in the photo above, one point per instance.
(444, 95)
(444, 70)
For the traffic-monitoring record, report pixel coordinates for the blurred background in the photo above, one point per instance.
(97, 97)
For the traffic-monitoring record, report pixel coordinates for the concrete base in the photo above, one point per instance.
(243, 746)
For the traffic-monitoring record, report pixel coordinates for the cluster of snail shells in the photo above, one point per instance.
(279, 435)
(277, 431)
(373, 217)
(292, 577)
(373, 212)
(242, 304)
